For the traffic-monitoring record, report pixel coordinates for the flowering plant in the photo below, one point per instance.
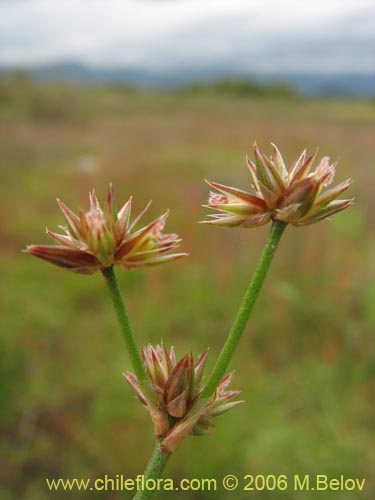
(174, 392)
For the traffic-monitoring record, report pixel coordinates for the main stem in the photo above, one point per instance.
(126, 330)
(245, 309)
(154, 470)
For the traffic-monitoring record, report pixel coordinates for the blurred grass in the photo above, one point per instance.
(305, 365)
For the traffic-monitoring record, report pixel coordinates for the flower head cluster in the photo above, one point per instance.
(175, 387)
(297, 196)
(99, 238)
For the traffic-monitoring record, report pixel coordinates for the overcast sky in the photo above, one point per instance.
(253, 35)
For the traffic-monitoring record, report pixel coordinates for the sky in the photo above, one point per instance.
(325, 36)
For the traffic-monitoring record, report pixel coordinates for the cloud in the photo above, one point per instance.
(262, 35)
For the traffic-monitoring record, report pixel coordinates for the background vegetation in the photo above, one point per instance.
(305, 362)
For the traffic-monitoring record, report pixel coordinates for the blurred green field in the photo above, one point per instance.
(305, 364)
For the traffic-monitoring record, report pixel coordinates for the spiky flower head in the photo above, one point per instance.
(176, 385)
(297, 196)
(100, 238)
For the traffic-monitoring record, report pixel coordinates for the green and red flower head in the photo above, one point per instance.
(176, 386)
(100, 238)
(298, 196)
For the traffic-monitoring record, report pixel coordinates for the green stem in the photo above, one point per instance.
(245, 309)
(153, 470)
(122, 316)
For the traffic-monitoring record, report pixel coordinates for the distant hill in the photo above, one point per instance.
(352, 85)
